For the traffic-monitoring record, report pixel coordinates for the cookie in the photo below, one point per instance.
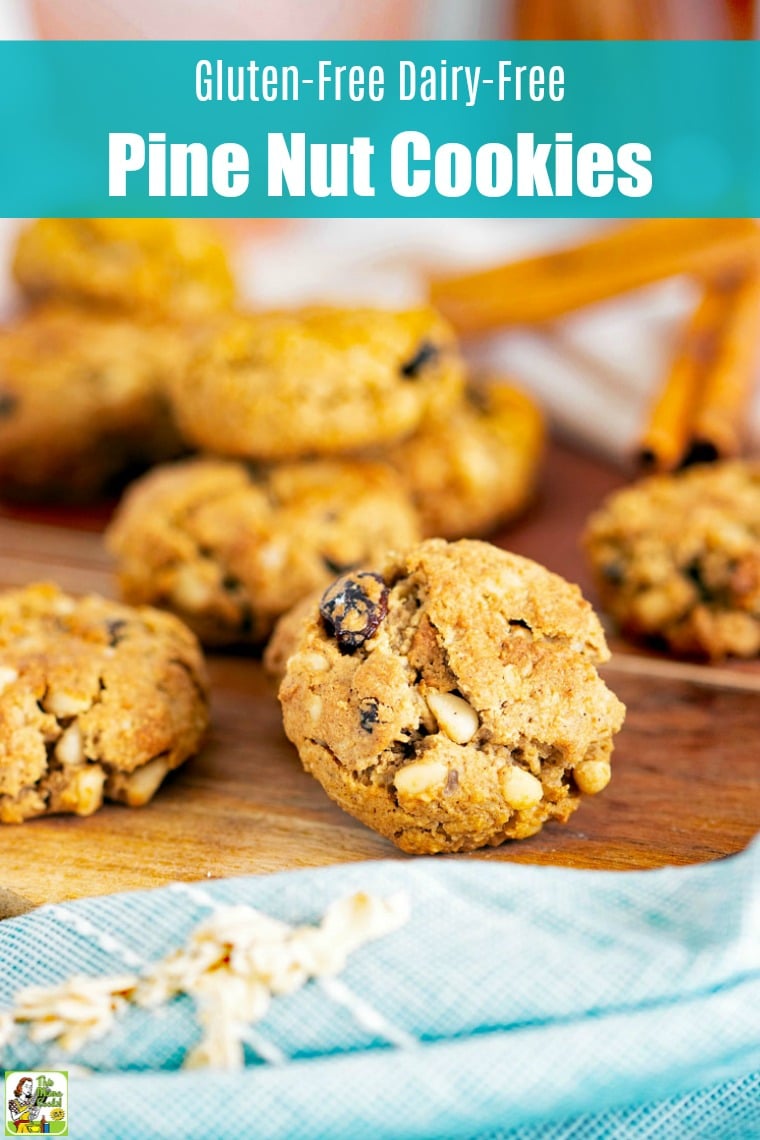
(450, 699)
(160, 267)
(81, 401)
(316, 382)
(677, 558)
(230, 547)
(476, 467)
(97, 700)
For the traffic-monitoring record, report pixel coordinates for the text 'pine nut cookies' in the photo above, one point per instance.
(316, 382)
(160, 267)
(677, 557)
(451, 699)
(475, 467)
(81, 401)
(230, 547)
(96, 700)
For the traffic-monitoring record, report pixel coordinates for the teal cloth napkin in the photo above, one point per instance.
(517, 1002)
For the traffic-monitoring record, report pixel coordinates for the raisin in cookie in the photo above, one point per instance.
(81, 401)
(316, 382)
(230, 547)
(476, 467)
(96, 700)
(677, 557)
(451, 700)
(159, 267)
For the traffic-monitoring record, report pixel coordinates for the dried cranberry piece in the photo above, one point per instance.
(334, 567)
(614, 572)
(353, 607)
(369, 714)
(695, 573)
(8, 403)
(701, 451)
(425, 354)
(115, 629)
(477, 398)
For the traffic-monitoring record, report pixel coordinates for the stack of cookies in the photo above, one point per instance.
(97, 700)
(426, 688)
(109, 303)
(330, 436)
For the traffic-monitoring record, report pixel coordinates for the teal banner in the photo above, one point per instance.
(380, 129)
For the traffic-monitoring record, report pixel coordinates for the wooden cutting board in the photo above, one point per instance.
(686, 774)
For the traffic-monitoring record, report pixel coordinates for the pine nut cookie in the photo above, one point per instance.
(230, 547)
(279, 386)
(81, 401)
(159, 267)
(450, 700)
(97, 700)
(475, 468)
(677, 558)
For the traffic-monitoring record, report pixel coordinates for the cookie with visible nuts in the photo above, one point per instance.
(677, 558)
(172, 268)
(450, 700)
(97, 700)
(230, 547)
(275, 386)
(474, 468)
(81, 401)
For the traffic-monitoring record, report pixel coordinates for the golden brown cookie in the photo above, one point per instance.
(451, 700)
(316, 382)
(230, 547)
(81, 401)
(157, 267)
(96, 700)
(476, 467)
(677, 558)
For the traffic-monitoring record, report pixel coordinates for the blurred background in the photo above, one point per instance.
(607, 359)
(381, 19)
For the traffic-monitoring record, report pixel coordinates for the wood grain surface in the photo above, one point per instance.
(686, 771)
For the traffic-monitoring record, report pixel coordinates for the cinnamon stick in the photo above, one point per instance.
(544, 287)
